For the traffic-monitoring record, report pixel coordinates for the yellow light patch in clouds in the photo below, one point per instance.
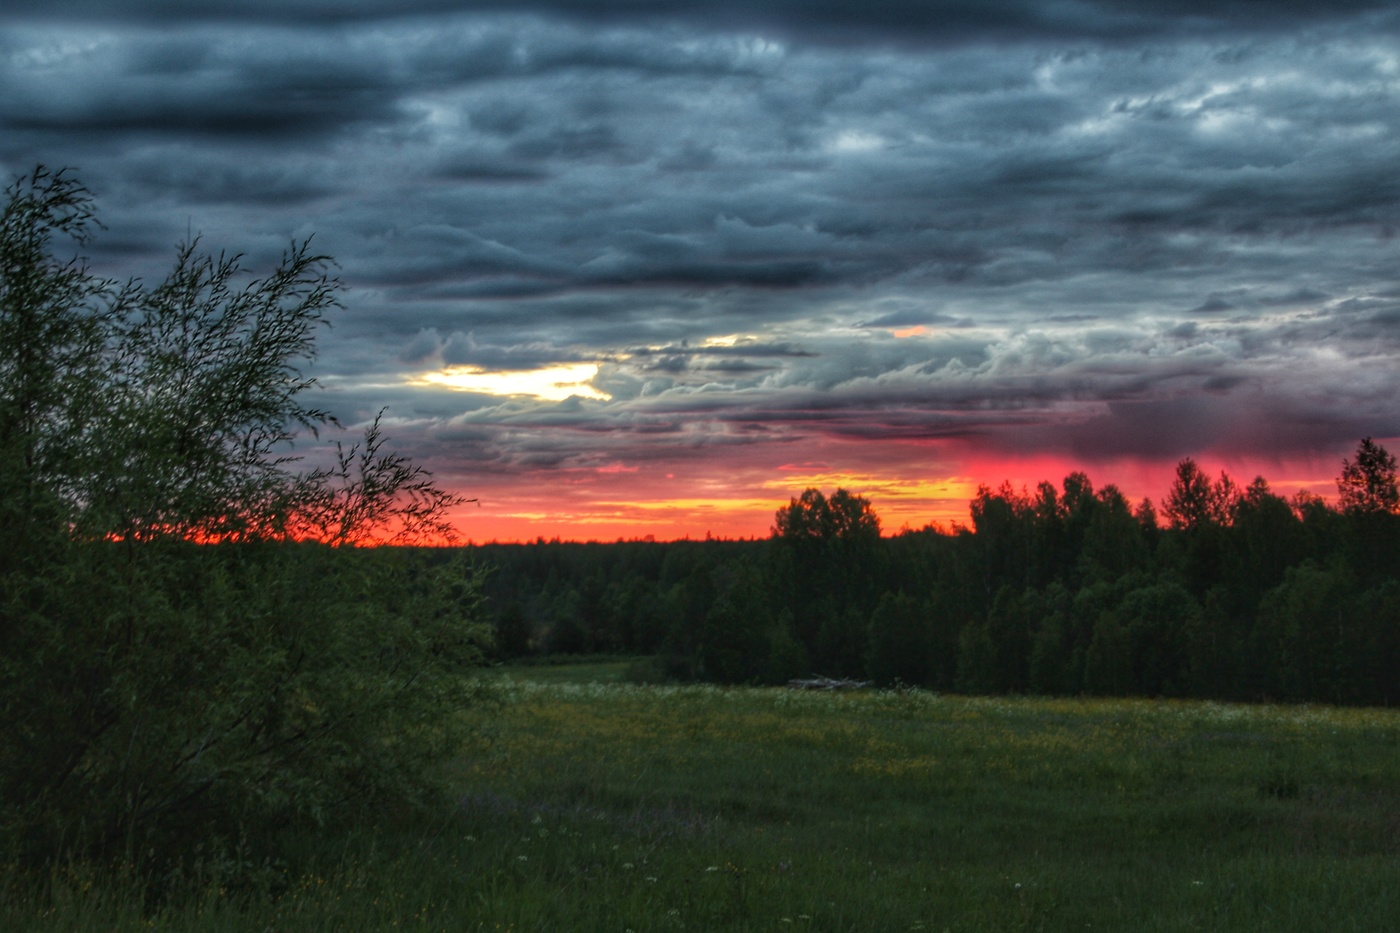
(696, 505)
(883, 488)
(899, 501)
(552, 383)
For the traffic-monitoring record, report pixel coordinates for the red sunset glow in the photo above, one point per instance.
(685, 501)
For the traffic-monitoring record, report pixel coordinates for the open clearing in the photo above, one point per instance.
(605, 806)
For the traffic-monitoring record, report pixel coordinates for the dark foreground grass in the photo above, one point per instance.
(611, 808)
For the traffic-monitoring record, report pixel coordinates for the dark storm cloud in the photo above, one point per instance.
(232, 181)
(1173, 428)
(292, 86)
(746, 348)
(951, 19)
(182, 85)
(943, 20)
(1105, 227)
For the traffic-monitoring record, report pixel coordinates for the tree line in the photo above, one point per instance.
(1224, 591)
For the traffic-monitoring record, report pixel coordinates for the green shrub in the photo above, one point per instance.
(191, 646)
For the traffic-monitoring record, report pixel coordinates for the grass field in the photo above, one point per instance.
(609, 807)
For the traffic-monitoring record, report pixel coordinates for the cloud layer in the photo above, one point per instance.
(899, 247)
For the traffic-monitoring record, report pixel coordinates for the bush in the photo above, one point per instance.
(191, 646)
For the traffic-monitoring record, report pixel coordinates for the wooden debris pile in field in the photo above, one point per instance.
(827, 683)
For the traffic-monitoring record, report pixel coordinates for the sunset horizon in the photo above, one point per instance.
(614, 273)
(613, 510)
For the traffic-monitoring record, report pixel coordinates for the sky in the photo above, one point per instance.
(619, 269)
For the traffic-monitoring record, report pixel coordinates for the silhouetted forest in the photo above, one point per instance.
(1222, 591)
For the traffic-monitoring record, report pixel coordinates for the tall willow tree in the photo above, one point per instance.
(191, 647)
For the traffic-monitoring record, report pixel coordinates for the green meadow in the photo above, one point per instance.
(592, 804)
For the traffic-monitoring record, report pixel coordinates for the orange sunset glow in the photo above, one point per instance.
(612, 503)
